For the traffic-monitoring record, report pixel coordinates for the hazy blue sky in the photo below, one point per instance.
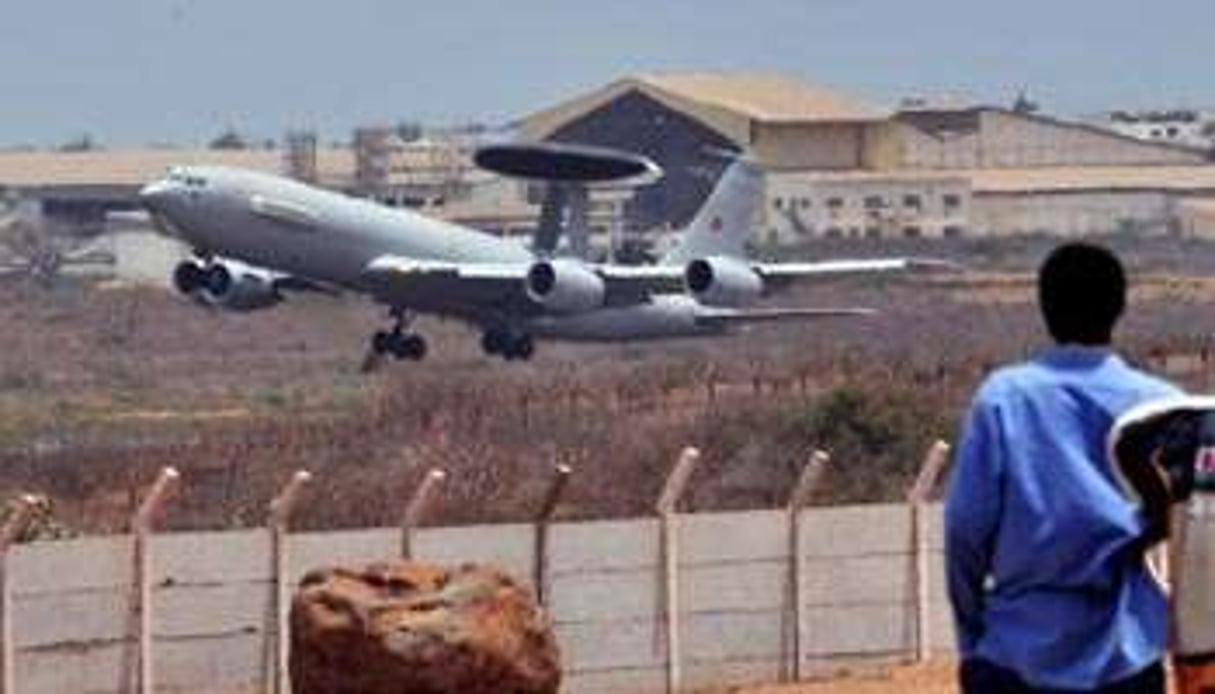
(134, 71)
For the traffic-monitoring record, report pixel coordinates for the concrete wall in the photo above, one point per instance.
(1001, 139)
(801, 206)
(801, 146)
(1071, 214)
(72, 598)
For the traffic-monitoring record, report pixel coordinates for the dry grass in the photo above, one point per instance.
(100, 387)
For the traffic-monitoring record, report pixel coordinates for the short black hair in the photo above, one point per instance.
(1082, 293)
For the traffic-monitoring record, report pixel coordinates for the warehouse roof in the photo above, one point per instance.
(1093, 178)
(768, 98)
(765, 97)
(1045, 179)
(136, 166)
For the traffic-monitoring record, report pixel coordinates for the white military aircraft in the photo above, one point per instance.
(257, 236)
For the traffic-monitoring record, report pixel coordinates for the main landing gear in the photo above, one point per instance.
(398, 341)
(508, 344)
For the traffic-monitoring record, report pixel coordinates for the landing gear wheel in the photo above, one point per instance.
(396, 342)
(381, 342)
(493, 342)
(411, 346)
(523, 348)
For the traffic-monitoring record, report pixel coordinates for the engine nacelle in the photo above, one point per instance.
(564, 286)
(227, 285)
(721, 281)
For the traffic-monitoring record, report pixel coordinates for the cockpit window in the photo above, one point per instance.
(179, 176)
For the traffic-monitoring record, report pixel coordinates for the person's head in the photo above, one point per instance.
(1082, 292)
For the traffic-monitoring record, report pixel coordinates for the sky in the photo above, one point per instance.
(132, 72)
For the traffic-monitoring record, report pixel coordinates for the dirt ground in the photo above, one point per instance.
(933, 678)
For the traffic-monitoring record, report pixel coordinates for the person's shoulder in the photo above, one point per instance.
(1148, 383)
(1007, 380)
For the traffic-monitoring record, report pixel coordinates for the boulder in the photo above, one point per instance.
(416, 628)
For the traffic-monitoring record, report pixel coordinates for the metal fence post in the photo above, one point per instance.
(561, 476)
(143, 522)
(925, 482)
(668, 544)
(795, 633)
(275, 661)
(14, 527)
(419, 503)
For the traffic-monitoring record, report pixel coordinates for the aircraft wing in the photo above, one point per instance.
(829, 269)
(666, 278)
(396, 279)
(710, 315)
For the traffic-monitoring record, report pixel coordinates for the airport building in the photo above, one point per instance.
(839, 167)
(836, 166)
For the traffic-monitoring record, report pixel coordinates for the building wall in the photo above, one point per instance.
(1196, 217)
(801, 206)
(684, 147)
(801, 146)
(989, 138)
(1071, 214)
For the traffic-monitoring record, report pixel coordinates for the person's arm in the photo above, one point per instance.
(972, 518)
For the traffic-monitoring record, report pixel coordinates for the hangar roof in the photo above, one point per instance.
(138, 166)
(1043, 179)
(763, 97)
(1064, 179)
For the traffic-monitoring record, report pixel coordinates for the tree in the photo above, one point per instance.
(81, 143)
(229, 139)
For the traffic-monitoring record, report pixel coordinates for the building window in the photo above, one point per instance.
(873, 232)
(833, 232)
(874, 202)
(805, 203)
(912, 232)
(952, 201)
(952, 231)
(835, 203)
(912, 202)
(778, 203)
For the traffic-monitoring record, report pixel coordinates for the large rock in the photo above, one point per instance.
(415, 628)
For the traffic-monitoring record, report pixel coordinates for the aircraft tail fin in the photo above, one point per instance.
(724, 222)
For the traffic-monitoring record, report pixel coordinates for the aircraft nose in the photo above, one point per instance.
(155, 194)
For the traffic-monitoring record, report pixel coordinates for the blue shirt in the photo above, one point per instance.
(1040, 568)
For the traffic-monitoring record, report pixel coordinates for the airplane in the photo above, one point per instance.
(256, 237)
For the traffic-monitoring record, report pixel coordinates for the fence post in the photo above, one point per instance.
(417, 507)
(16, 525)
(806, 483)
(275, 660)
(668, 547)
(561, 476)
(143, 522)
(925, 482)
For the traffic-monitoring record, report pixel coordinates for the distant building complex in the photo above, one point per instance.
(837, 167)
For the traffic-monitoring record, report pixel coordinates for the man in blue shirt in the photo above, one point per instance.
(1045, 567)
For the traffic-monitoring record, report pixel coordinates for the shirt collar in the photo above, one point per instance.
(1077, 355)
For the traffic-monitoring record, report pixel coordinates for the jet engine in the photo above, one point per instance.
(564, 286)
(227, 285)
(721, 281)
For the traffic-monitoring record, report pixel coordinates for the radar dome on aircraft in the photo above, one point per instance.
(568, 163)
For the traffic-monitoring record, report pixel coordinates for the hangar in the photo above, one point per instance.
(684, 121)
(838, 166)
